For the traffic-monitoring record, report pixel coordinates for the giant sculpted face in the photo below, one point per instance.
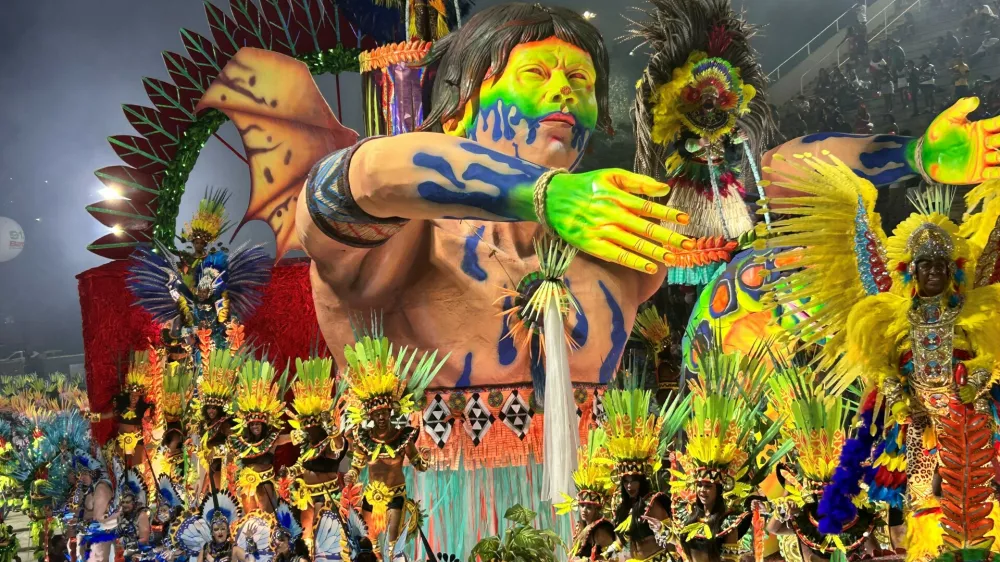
(542, 107)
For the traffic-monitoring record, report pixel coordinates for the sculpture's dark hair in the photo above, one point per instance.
(461, 61)
(672, 30)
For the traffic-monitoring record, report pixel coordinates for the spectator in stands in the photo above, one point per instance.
(903, 83)
(909, 26)
(863, 121)
(913, 77)
(961, 72)
(928, 87)
(989, 46)
(889, 125)
(882, 78)
(897, 57)
(800, 104)
(952, 45)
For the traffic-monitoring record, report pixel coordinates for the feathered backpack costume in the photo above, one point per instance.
(700, 118)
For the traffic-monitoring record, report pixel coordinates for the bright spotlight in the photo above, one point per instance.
(588, 15)
(117, 230)
(110, 193)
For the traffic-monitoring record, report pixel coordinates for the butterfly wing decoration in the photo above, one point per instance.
(286, 126)
(254, 537)
(356, 530)
(329, 540)
(193, 534)
(168, 492)
(134, 483)
(393, 551)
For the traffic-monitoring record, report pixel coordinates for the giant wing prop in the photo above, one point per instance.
(286, 126)
(833, 248)
(982, 227)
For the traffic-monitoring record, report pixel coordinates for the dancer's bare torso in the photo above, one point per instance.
(438, 284)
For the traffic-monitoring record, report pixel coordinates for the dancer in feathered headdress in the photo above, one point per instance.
(314, 479)
(720, 468)
(215, 392)
(207, 536)
(594, 531)
(817, 423)
(200, 296)
(915, 317)
(701, 116)
(257, 409)
(133, 402)
(97, 519)
(134, 525)
(636, 442)
(382, 388)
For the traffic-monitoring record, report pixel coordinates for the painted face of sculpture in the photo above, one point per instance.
(541, 108)
(932, 276)
(590, 512)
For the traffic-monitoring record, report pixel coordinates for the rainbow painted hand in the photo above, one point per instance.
(601, 213)
(960, 152)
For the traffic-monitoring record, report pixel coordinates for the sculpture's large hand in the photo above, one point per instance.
(958, 151)
(601, 213)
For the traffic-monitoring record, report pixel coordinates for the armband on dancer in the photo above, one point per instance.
(419, 461)
(333, 208)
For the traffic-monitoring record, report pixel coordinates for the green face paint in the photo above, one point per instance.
(542, 107)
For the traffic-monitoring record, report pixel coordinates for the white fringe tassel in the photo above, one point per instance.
(561, 437)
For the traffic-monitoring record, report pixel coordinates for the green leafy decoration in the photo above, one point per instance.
(521, 542)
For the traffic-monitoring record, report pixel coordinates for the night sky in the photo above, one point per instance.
(66, 66)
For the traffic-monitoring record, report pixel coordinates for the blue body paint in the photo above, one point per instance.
(470, 260)
(882, 166)
(618, 336)
(581, 330)
(537, 363)
(465, 380)
(524, 174)
(507, 117)
(506, 351)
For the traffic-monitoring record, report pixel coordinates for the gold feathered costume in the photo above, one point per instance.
(928, 362)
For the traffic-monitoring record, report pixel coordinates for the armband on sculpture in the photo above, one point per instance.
(333, 208)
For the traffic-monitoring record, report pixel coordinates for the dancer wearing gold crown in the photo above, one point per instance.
(716, 477)
(594, 532)
(915, 317)
(816, 422)
(315, 483)
(382, 387)
(258, 408)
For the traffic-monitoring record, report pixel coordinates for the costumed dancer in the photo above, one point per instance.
(174, 396)
(98, 526)
(382, 386)
(268, 536)
(729, 450)
(915, 317)
(817, 423)
(653, 331)
(134, 525)
(206, 537)
(593, 529)
(701, 117)
(637, 438)
(169, 505)
(9, 544)
(258, 407)
(215, 425)
(200, 296)
(315, 478)
(132, 404)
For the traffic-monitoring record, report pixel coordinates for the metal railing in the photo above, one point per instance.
(884, 13)
(809, 44)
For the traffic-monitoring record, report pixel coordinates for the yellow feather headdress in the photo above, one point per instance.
(592, 477)
(379, 380)
(219, 377)
(314, 400)
(145, 367)
(260, 395)
(209, 221)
